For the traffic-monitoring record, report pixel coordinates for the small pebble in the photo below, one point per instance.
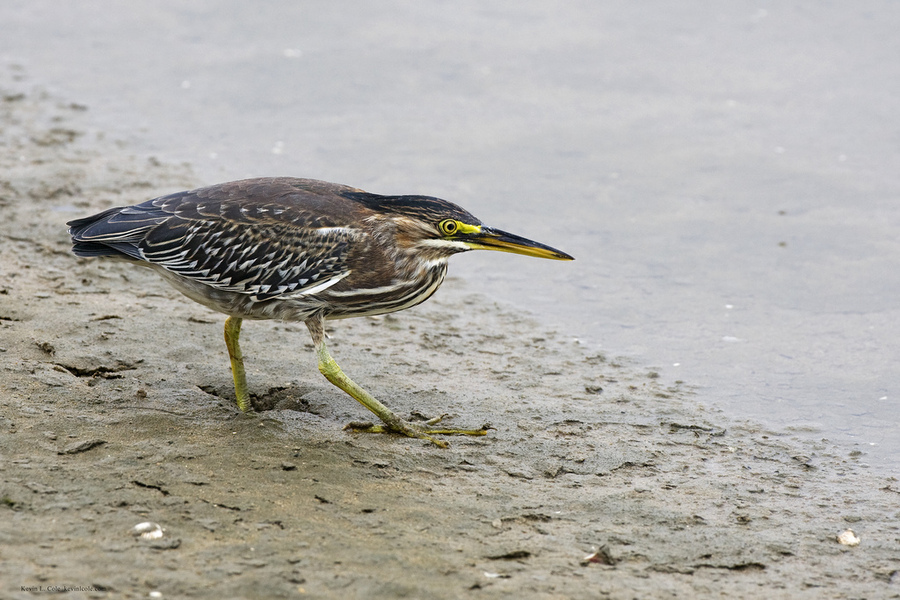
(848, 538)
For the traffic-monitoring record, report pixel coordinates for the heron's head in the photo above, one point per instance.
(438, 229)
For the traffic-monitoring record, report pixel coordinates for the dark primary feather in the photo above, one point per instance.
(114, 232)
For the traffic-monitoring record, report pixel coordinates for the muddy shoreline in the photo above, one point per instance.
(598, 481)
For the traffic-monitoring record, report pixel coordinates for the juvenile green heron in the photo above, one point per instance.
(299, 250)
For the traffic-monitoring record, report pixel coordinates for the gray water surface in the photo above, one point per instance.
(727, 175)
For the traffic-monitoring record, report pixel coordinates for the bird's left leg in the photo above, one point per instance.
(392, 423)
(232, 333)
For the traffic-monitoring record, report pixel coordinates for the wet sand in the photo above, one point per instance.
(598, 481)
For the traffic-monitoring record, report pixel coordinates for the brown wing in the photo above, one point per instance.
(264, 238)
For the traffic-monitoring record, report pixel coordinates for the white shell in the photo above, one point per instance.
(147, 531)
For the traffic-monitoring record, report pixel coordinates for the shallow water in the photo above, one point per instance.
(727, 177)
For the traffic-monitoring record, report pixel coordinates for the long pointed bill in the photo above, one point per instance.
(494, 239)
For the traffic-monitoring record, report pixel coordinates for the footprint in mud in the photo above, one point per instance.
(290, 397)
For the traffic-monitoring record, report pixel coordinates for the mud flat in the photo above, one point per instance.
(598, 482)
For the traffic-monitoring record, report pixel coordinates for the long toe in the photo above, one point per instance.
(414, 430)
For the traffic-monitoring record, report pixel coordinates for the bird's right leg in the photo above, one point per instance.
(232, 333)
(392, 423)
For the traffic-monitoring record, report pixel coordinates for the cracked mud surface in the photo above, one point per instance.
(598, 481)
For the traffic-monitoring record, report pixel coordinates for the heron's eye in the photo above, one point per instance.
(448, 226)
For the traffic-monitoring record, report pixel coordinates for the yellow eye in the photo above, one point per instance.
(448, 226)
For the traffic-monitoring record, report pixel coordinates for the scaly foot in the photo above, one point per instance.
(414, 430)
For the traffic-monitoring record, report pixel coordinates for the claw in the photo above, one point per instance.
(435, 420)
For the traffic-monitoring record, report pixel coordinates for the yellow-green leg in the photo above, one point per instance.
(232, 333)
(392, 423)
